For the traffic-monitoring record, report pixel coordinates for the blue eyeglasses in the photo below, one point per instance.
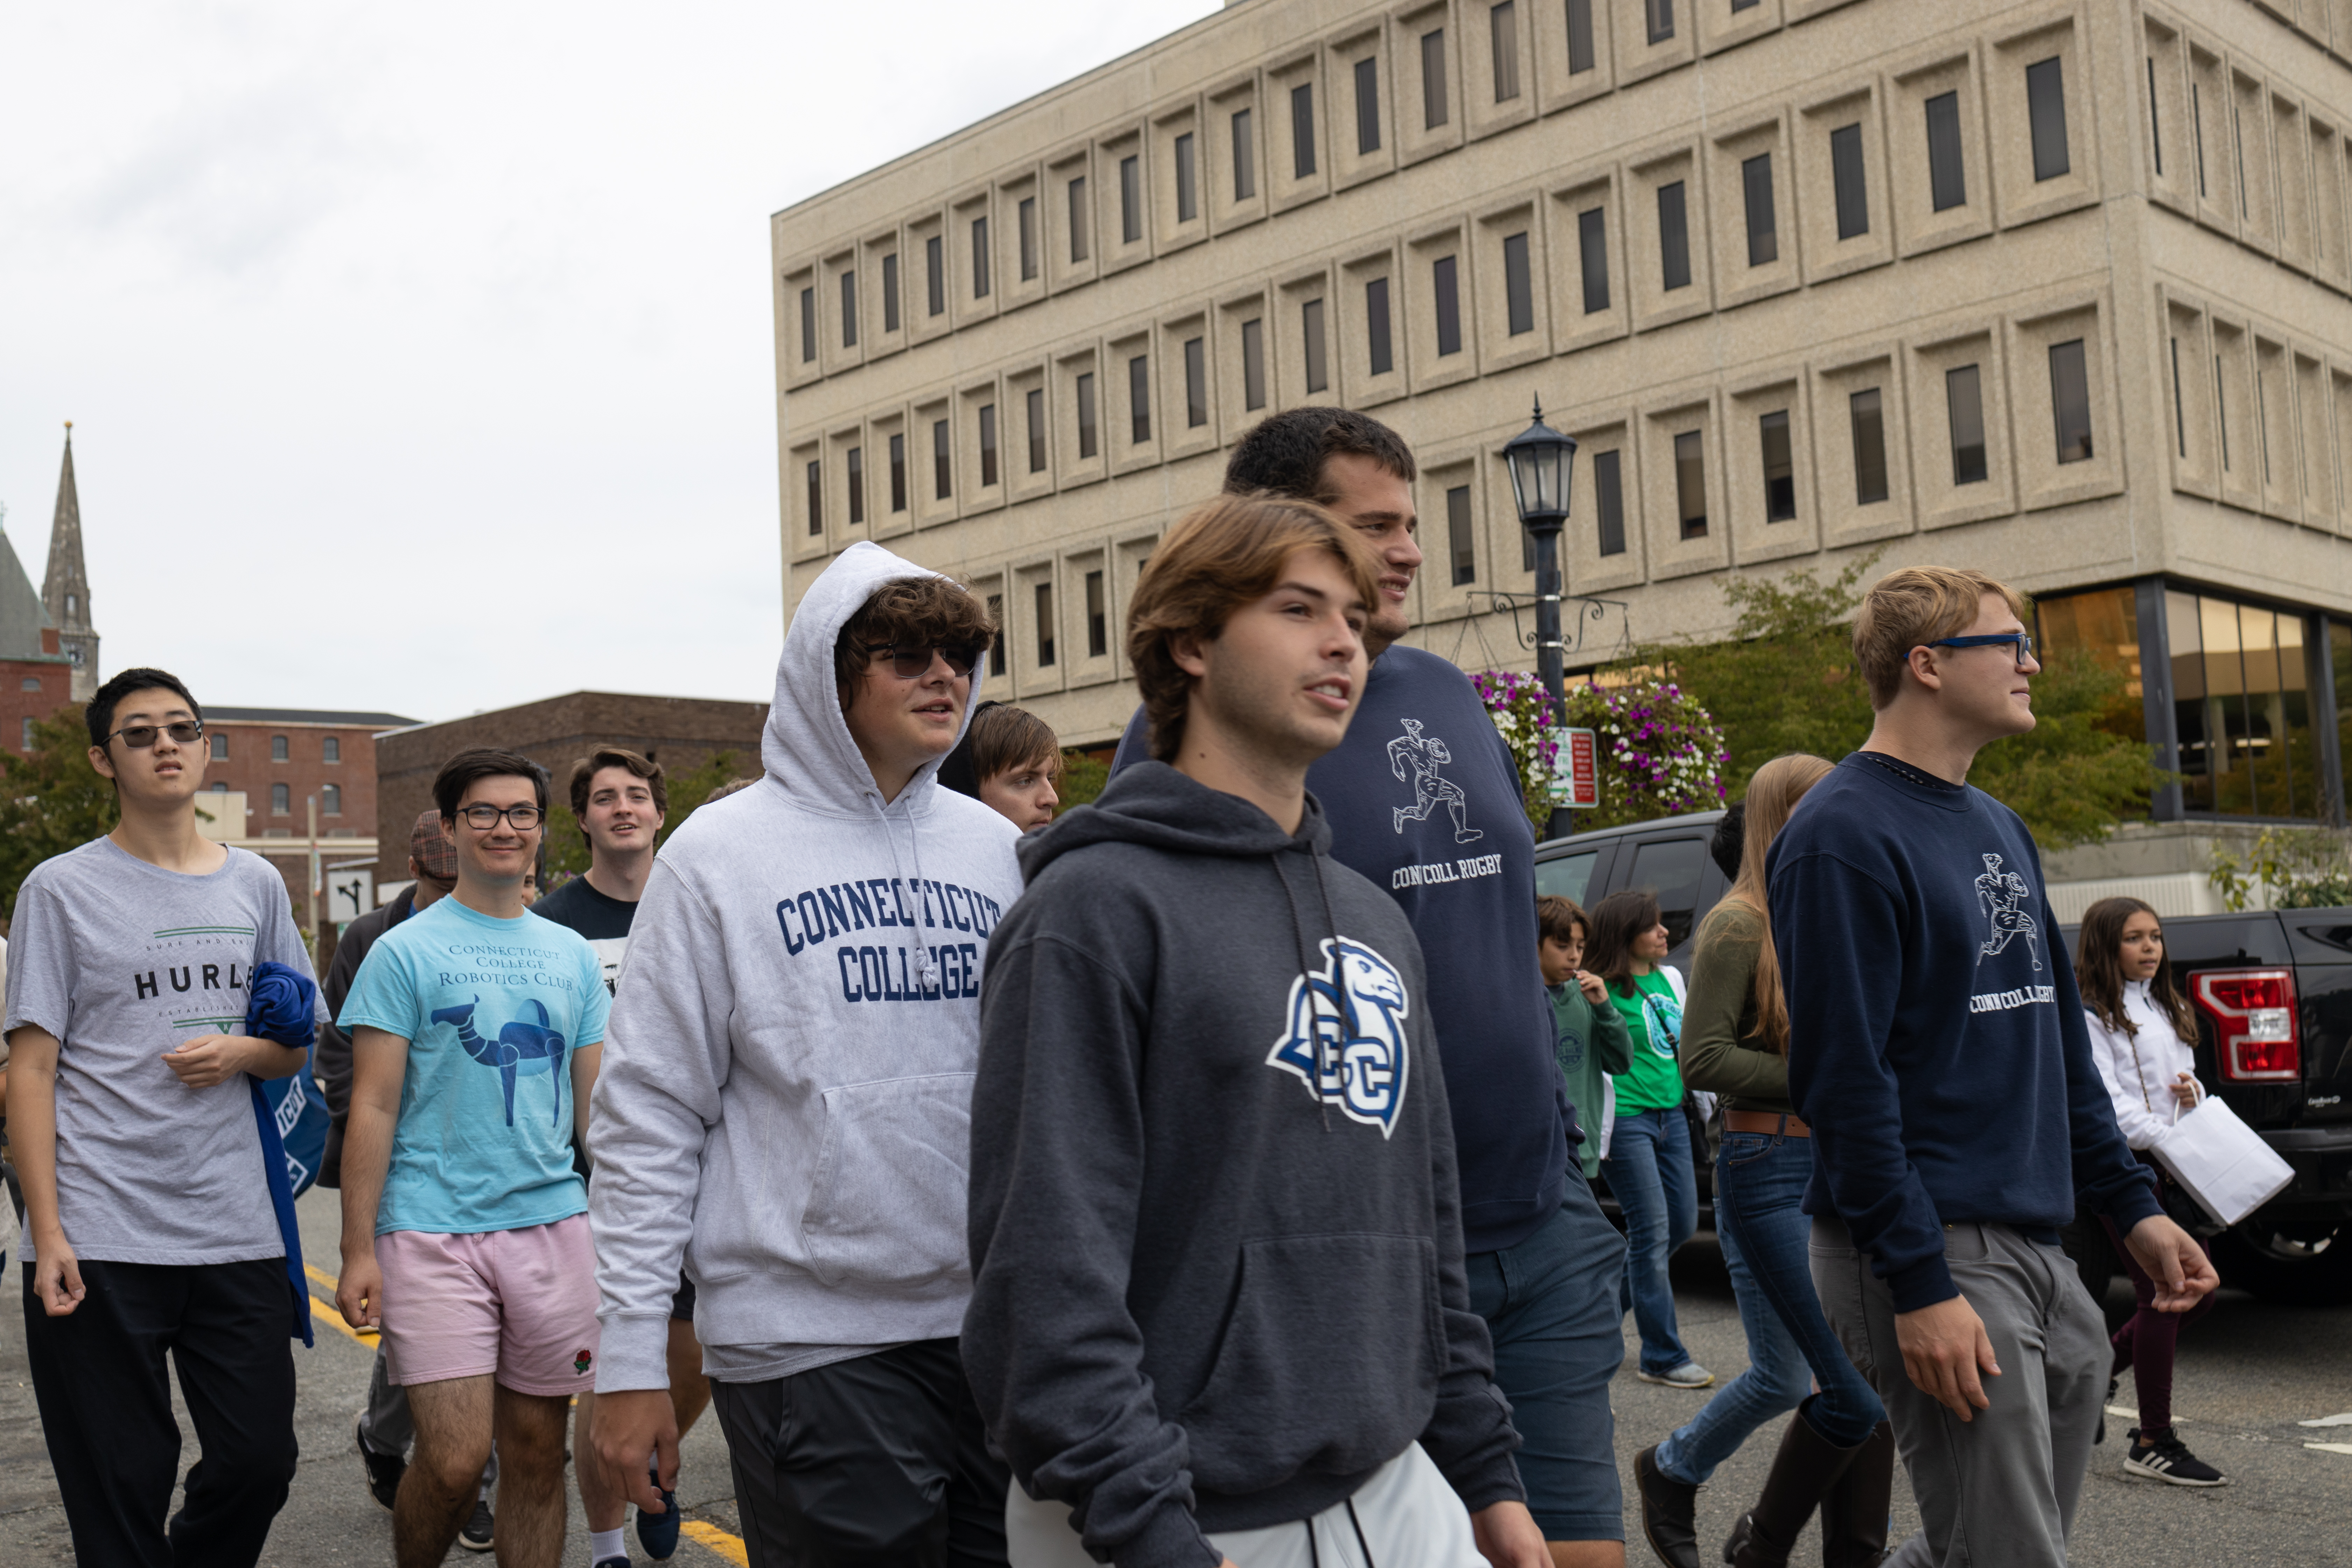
(2024, 644)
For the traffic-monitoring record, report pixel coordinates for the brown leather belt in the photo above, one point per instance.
(1769, 1123)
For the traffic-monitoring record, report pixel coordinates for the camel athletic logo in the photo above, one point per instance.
(2001, 895)
(526, 1046)
(1415, 758)
(1345, 1038)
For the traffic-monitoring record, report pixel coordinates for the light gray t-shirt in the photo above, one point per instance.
(123, 961)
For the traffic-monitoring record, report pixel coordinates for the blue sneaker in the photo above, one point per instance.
(657, 1532)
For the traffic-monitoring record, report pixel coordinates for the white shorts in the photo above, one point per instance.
(1409, 1516)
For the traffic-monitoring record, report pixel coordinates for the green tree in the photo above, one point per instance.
(1082, 780)
(567, 846)
(51, 800)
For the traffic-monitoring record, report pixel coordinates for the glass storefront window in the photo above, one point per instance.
(2241, 702)
(2103, 624)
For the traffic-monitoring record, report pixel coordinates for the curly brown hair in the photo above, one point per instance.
(911, 611)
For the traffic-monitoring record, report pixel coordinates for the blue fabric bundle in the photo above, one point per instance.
(283, 1007)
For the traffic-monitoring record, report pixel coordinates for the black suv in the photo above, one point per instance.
(2274, 998)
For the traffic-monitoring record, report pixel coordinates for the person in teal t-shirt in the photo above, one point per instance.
(1648, 1162)
(1592, 1042)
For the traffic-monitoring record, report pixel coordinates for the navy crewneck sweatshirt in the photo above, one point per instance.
(1936, 1042)
(1424, 799)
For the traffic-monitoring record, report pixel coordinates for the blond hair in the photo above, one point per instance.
(1772, 796)
(1916, 606)
(1219, 557)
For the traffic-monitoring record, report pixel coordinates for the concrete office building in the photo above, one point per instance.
(2062, 291)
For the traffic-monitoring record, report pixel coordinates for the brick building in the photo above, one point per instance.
(277, 758)
(36, 676)
(679, 732)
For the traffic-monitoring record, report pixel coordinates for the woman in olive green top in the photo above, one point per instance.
(1838, 1454)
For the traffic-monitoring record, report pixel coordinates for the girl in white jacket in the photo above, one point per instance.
(2142, 1038)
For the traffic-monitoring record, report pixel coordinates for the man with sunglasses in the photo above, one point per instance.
(148, 1221)
(786, 1106)
(476, 1029)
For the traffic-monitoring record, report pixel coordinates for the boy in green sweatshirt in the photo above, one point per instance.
(1592, 1037)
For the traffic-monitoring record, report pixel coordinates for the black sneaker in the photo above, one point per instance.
(384, 1470)
(1669, 1513)
(478, 1535)
(2100, 1436)
(2165, 1457)
(657, 1532)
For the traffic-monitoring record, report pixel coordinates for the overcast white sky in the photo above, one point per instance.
(419, 356)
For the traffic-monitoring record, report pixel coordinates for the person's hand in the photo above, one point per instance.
(2185, 1090)
(1944, 1348)
(359, 1289)
(1509, 1537)
(1595, 989)
(56, 1275)
(630, 1428)
(209, 1059)
(2172, 1257)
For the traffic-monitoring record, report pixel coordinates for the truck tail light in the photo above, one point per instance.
(2259, 1036)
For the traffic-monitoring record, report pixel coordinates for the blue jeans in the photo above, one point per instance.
(1648, 1170)
(1758, 1182)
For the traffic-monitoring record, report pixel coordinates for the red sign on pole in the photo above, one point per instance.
(1583, 772)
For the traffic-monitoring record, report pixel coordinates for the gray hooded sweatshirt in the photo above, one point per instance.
(786, 1097)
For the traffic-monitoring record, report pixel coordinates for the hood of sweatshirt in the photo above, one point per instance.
(1152, 804)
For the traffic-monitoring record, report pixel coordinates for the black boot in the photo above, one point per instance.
(1854, 1511)
(1669, 1513)
(1805, 1468)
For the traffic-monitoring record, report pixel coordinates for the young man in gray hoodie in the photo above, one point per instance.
(785, 1105)
(1219, 1315)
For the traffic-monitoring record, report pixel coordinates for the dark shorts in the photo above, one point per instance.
(1550, 1304)
(681, 1306)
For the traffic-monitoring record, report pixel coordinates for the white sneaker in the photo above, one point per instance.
(1690, 1375)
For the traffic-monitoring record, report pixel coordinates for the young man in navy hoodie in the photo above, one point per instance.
(1218, 1302)
(1937, 1048)
(1424, 800)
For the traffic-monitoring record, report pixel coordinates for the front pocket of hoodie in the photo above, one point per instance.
(1330, 1361)
(887, 1207)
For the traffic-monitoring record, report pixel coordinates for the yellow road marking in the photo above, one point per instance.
(718, 1540)
(321, 1276)
(334, 1320)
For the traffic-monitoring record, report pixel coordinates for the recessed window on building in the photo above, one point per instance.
(281, 800)
(1779, 468)
(815, 498)
(1196, 383)
(996, 639)
(1580, 36)
(29, 740)
(1519, 287)
(1079, 222)
(890, 292)
(1847, 181)
(2045, 112)
(1948, 179)
(1036, 414)
(1045, 626)
(1302, 131)
(1609, 503)
(2070, 401)
(1139, 398)
(1690, 483)
(943, 464)
(330, 800)
(849, 309)
(1131, 199)
(1244, 158)
(2222, 410)
(1098, 618)
(1592, 255)
(1660, 16)
(1460, 536)
(1503, 24)
(1674, 239)
(1253, 363)
(278, 751)
(1449, 306)
(897, 473)
(2241, 708)
(856, 486)
(1866, 417)
(1310, 321)
(808, 325)
(1368, 105)
(987, 445)
(1964, 412)
(1090, 440)
(1025, 221)
(1756, 185)
(2197, 137)
(220, 745)
(980, 280)
(935, 275)
(1188, 180)
(2180, 415)
(1378, 349)
(1432, 78)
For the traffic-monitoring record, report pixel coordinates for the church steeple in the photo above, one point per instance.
(66, 593)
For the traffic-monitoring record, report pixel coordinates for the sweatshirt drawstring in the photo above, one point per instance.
(927, 969)
(1305, 980)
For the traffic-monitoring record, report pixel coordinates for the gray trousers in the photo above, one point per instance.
(2000, 1489)
(386, 1426)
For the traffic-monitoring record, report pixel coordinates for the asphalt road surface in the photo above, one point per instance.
(2248, 1373)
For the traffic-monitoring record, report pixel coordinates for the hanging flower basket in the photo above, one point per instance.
(1658, 751)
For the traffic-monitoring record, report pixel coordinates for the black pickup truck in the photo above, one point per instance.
(2273, 997)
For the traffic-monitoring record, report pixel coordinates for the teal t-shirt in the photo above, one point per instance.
(1653, 1080)
(492, 1011)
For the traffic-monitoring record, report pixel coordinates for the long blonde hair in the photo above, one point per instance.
(1771, 796)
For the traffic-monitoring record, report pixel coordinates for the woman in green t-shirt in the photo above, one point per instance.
(1647, 1157)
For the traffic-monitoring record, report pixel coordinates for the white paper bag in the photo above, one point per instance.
(2222, 1163)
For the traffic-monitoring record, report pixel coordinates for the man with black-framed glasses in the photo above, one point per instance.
(476, 1029)
(786, 1105)
(148, 1219)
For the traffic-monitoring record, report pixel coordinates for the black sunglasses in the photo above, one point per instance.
(139, 737)
(914, 663)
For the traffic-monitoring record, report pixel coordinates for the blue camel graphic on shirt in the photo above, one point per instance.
(520, 1048)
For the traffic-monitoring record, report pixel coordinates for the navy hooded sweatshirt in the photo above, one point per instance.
(1424, 800)
(1938, 1044)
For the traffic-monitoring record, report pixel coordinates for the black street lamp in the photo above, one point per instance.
(1540, 459)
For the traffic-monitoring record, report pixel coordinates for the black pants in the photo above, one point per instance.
(106, 1409)
(878, 1460)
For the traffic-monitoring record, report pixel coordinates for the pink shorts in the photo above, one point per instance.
(518, 1304)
